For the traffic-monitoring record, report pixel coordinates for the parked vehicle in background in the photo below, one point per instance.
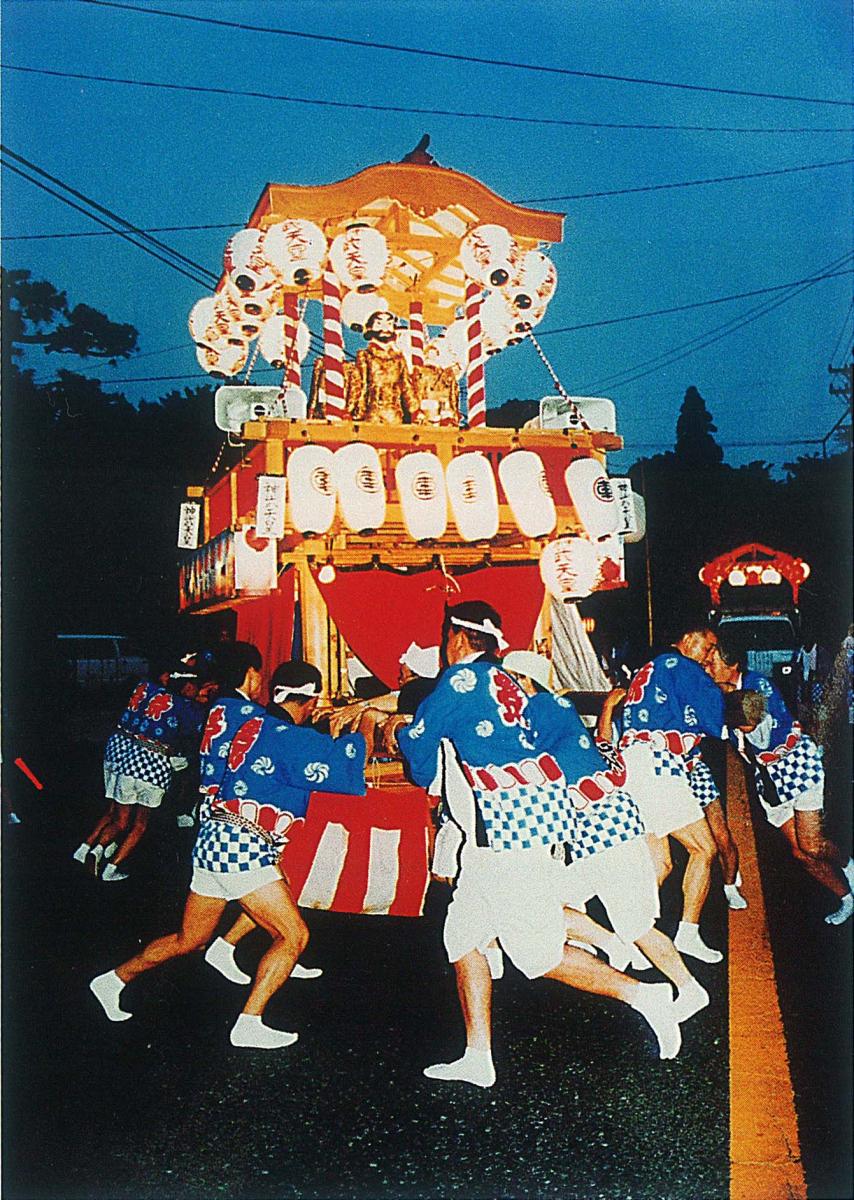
(766, 642)
(101, 659)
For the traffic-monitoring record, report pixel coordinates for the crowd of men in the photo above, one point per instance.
(537, 814)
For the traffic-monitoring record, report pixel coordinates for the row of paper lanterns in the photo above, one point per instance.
(351, 479)
(292, 254)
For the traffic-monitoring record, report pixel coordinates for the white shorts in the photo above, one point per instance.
(125, 789)
(623, 877)
(778, 814)
(510, 895)
(658, 783)
(231, 885)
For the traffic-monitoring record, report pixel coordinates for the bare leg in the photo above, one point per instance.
(273, 908)
(698, 841)
(243, 925)
(108, 818)
(815, 852)
(140, 824)
(659, 848)
(201, 914)
(726, 847)
(474, 988)
(652, 1000)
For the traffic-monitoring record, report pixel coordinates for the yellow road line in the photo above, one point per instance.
(765, 1151)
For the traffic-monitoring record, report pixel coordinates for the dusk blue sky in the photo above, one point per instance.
(162, 158)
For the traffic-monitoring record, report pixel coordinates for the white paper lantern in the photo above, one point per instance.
(255, 562)
(640, 519)
(534, 282)
(357, 307)
(454, 345)
(210, 324)
(221, 359)
(361, 490)
(274, 346)
(295, 250)
(295, 403)
(423, 499)
(359, 257)
(246, 313)
(498, 323)
(569, 568)
(473, 496)
(488, 255)
(311, 488)
(245, 263)
(592, 497)
(523, 478)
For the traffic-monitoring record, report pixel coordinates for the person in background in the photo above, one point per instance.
(787, 775)
(156, 734)
(671, 705)
(269, 768)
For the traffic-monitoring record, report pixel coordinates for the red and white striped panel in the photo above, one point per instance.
(362, 854)
(290, 309)
(333, 348)
(475, 379)
(416, 332)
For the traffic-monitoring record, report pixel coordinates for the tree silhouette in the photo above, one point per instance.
(36, 314)
(695, 446)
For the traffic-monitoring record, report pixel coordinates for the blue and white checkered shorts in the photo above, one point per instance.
(702, 783)
(801, 770)
(665, 762)
(527, 816)
(221, 846)
(606, 823)
(124, 755)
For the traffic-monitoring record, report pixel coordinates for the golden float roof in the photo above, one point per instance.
(424, 211)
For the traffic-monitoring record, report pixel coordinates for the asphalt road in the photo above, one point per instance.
(163, 1106)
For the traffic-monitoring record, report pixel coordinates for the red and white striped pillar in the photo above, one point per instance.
(290, 309)
(416, 332)
(333, 348)
(475, 379)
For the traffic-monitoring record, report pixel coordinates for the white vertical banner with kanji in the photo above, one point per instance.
(270, 506)
(188, 525)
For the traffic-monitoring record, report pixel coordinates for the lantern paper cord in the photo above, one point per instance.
(416, 332)
(475, 379)
(574, 411)
(333, 348)
(252, 361)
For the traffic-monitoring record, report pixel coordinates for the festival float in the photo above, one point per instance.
(369, 490)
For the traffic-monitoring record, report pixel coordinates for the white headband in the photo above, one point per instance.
(282, 692)
(423, 660)
(485, 626)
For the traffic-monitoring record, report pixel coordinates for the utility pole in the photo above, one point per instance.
(845, 391)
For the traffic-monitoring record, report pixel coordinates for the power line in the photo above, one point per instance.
(660, 187)
(424, 112)
(128, 225)
(466, 58)
(662, 312)
(654, 187)
(702, 340)
(93, 233)
(122, 233)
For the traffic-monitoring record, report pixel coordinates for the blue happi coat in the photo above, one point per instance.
(154, 727)
(671, 701)
(518, 785)
(225, 717)
(604, 813)
(784, 728)
(270, 769)
(786, 762)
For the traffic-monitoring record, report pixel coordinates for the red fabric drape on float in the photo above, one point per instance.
(380, 612)
(268, 623)
(219, 506)
(362, 854)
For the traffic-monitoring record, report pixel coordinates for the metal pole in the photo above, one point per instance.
(649, 623)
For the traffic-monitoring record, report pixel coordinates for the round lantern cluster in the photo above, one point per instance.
(519, 285)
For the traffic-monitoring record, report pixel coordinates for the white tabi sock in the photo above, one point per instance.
(81, 852)
(112, 874)
(111, 849)
(494, 960)
(848, 872)
(107, 988)
(301, 972)
(688, 941)
(734, 897)
(655, 1003)
(690, 1000)
(475, 1067)
(220, 955)
(842, 913)
(250, 1031)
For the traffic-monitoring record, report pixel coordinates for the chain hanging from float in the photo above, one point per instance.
(575, 415)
